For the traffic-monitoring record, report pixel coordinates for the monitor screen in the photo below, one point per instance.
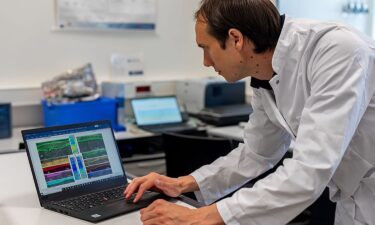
(65, 158)
(156, 110)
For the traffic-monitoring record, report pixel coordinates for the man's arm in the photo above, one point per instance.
(264, 145)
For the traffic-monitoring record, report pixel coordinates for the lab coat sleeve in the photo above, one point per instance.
(250, 159)
(340, 92)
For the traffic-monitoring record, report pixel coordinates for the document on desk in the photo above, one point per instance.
(106, 14)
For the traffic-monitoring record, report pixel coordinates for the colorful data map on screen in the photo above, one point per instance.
(74, 158)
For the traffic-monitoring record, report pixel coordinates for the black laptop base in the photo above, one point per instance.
(181, 128)
(110, 209)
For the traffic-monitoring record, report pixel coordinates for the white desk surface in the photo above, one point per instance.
(19, 204)
(12, 144)
(233, 132)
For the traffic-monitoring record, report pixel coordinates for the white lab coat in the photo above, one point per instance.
(324, 100)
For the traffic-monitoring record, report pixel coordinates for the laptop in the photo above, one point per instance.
(226, 114)
(78, 171)
(159, 115)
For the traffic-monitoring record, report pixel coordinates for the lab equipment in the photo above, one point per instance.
(197, 94)
(214, 100)
(5, 120)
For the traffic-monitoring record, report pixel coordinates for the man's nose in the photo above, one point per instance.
(207, 61)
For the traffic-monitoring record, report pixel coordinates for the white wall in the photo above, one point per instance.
(31, 52)
(330, 10)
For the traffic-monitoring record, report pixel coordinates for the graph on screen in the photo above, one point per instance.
(74, 158)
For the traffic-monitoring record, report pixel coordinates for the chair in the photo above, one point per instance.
(186, 153)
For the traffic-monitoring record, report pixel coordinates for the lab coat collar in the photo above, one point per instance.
(273, 112)
(280, 50)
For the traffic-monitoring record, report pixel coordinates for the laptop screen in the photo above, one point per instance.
(156, 110)
(67, 157)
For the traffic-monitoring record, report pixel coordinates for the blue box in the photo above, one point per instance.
(69, 113)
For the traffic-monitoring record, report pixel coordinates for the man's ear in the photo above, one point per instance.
(236, 38)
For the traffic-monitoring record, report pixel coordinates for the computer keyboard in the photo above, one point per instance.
(92, 200)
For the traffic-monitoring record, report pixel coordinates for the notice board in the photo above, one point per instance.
(106, 14)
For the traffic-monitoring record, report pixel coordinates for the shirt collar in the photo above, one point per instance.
(256, 83)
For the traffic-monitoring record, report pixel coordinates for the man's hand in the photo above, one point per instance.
(162, 212)
(172, 187)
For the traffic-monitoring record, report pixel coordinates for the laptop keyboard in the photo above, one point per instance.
(92, 200)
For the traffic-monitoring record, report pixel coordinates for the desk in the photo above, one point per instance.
(12, 144)
(133, 134)
(138, 163)
(19, 204)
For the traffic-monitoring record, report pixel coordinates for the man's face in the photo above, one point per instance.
(226, 62)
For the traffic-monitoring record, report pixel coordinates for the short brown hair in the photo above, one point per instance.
(258, 20)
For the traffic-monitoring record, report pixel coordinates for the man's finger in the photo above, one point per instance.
(132, 187)
(148, 215)
(152, 206)
(138, 195)
(153, 221)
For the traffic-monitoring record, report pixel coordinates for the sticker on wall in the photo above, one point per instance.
(127, 65)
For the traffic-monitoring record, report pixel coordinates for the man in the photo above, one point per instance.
(313, 82)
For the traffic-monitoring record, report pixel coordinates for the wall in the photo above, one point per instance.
(31, 51)
(330, 10)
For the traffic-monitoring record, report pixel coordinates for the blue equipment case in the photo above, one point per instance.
(69, 113)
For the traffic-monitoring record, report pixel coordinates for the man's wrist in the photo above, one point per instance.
(211, 215)
(187, 184)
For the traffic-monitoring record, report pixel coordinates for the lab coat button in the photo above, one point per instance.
(277, 81)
